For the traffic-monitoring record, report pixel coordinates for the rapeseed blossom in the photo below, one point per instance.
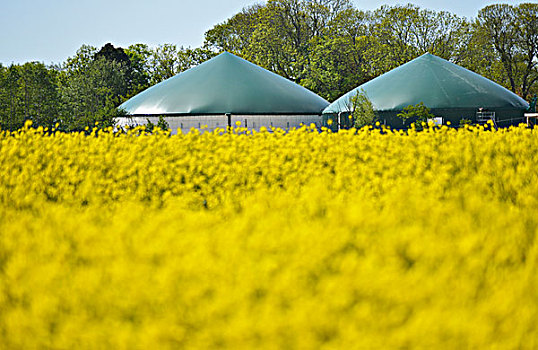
(365, 238)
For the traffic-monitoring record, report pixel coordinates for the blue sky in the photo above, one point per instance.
(51, 30)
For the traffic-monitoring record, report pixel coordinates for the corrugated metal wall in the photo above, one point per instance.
(252, 122)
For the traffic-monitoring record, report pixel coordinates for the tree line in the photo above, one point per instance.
(327, 46)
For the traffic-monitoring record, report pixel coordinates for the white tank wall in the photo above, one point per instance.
(252, 122)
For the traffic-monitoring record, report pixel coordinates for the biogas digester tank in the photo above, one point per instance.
(222, 91)
(451, 92)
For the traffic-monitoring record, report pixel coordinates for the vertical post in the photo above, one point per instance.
(339, 120)
(229, 116)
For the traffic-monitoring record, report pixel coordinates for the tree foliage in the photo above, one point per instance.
(28, 92)
(512, 31)
(91, 95)
(416, 114)
(362, 110)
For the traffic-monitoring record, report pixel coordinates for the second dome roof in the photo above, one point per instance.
(437, 83)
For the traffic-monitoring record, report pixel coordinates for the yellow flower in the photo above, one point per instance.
(137, 240)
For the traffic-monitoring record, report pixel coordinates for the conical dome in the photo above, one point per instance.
(437, 83)
(225, 84)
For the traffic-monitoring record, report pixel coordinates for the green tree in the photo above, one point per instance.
(139, 56)
(28, 92)
(92, 94)
(235, 34)
(338, 60)
(39, 93)
(189, 58)
(280, 42)
(162, 123)
(476, 53)
(405, 32)
(80, 61)
(278, 35)
(362, 110)
(11, 112)
(164, 62)
(168, 60)
(496, 22)
(417, 114)
(513, 34)
(527, 30)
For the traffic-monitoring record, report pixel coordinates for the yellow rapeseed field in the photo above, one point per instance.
(302, 240)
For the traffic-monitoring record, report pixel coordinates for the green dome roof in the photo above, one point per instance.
(225, 84)
(436, 82)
